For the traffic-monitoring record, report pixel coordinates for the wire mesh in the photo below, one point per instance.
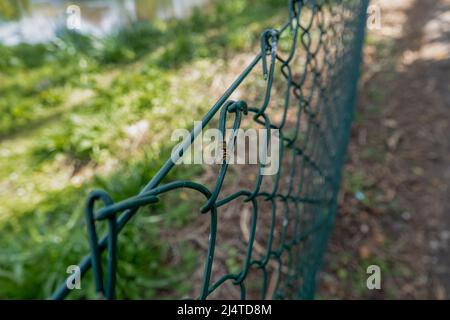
(311, 65)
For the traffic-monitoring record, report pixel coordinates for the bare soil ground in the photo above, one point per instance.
(395, 203)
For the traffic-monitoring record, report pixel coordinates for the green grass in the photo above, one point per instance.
(69, 109)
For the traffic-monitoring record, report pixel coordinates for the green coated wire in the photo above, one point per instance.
(324, 89)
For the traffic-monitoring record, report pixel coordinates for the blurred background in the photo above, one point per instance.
(90, 94)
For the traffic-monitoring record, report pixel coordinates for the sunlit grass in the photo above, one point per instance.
(85, 113)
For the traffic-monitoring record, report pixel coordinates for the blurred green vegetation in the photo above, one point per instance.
(72, 114)
(10, 9)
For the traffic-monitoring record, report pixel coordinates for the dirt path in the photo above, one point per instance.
(423, 94)
(399, 162)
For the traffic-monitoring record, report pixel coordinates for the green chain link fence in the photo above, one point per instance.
(316, 54)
